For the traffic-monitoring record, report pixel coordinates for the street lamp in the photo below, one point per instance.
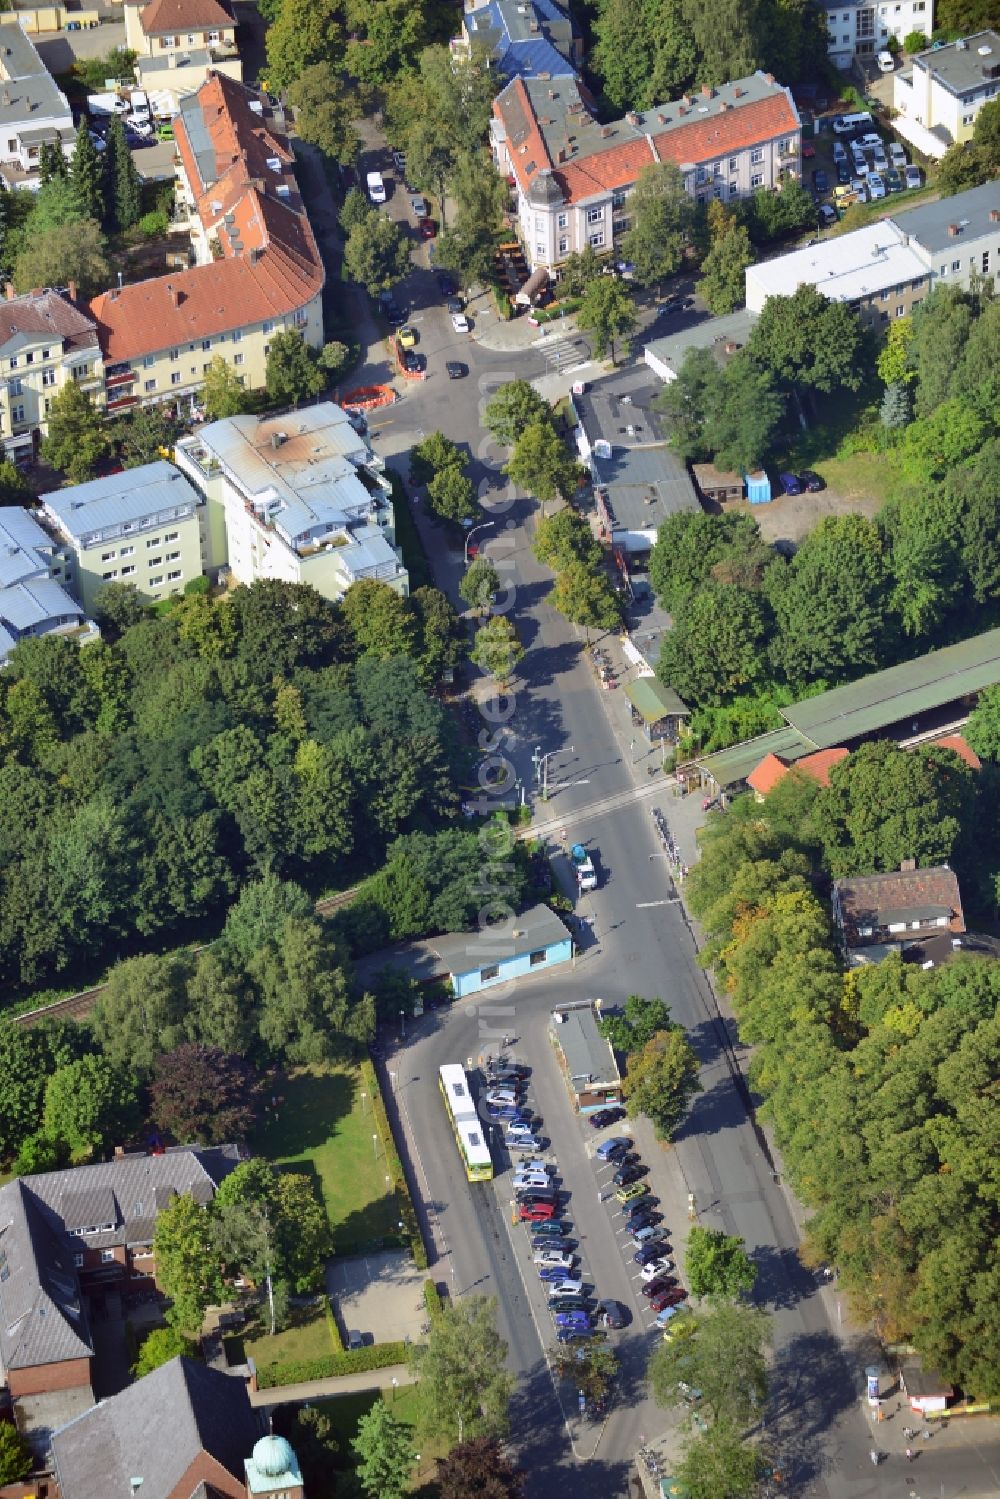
(469, 535)
(541, 763)
(375, 1145)
(402, 1024)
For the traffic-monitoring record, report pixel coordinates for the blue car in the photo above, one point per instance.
(573, 1321)
(553, 1272)
(508, 1115)
(790, 483)
(607, 1148)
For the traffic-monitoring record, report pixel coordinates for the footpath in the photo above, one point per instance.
(341, 1384)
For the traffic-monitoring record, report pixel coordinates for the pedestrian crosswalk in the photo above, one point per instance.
(563, 353)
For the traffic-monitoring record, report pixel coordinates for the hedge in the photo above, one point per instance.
(353, 1361)
(407, 1212)
(432, 1299)
(331, 1322)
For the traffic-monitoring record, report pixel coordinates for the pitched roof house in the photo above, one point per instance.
(183, 1432)
(774, 768)
(882, 913)
(258, 268)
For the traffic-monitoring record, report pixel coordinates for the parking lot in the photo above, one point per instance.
(867, 164)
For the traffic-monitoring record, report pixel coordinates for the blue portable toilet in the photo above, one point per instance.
(758, 488)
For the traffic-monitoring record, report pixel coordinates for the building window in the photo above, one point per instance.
(172, 577)
(175, 354)
(757, 180)
(206, 367)
(149, 385)
(967, 119)
(900, 311)
(595, 215)
(128, 571)
(16, 388)
(756, 156)
(540, 252)
(732, 163)
(597, 240)
(78, 1260)
(13, 362)
(564, 245)
(493, 972)
(17, 413)
(155, 582)
(107, 1256)
(956, 265)
(106, 577)
(46, 353)
(127, 551)
(701, 175)
(300, 319)
(537, 957)
(173, 556)
(238, 358)
(986, 262)
(48, 377)
(267, 327)
(155, 542)
(170, 535)
(562, 220)
(206, 344)
(733, 190)
(175, 377)
(107, 556)
(154, 561)
(237, 335)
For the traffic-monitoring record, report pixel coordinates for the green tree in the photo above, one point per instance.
(57, 205)
(893, 363)
(303, 34)
(431, 456)
(187, 1263)
(140, 434)
(515, 406)
(124, 190)
(934, 445)
(542, 464)
(925, 558)
(380, 621)
(452, 495)
(325, 111)
(662, 218)
(806, 339)
(465, 1386)
(724, 1357)
(717, 645)
(334, 359)
(77, 438)
(73, 252)
(303, 993)
(723, 278)
(716, 1264)
(86, 175)
(222, 394)
(385, 39)
(584, 596)
(355, 209)
(40, 1152)
(894, 412)
(720, 1461)
(591, 1369)
(690, 545)
(497, 650)
(259, 915)
(479, 1467)
(385, 1453)
(201, 1094)
(292, 375)
(14, 487)
(686, 400)
(313, 1439)
(643, 52)
(662, 1079)
(141, 1012)
(941, 326)
(743, 416)
(28, 1058)
(983, 728)
(440, 111)
(884, 805)
(639, 1021)
(377, 253)
(607, 312)
(479, 585)
(771, 215)
(90, 1104)
(159, 1347)
(565, 539)
(15, 1455)
(577, 271)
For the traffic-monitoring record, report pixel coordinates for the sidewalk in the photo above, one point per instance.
(343, 1384)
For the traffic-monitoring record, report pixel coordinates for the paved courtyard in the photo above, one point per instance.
(381, 1296)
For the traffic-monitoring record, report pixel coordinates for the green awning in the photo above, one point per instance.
(652, 701)
(731, 766)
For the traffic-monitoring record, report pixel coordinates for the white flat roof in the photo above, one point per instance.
(845, 268)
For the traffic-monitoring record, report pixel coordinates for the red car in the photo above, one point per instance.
(427, 228)
(536, 1212)
(661, 1283)
(669, 1297)
(808, 152)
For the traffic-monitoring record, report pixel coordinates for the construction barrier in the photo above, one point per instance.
(368, 397)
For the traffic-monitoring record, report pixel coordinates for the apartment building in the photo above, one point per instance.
(523, 38)
(572, 175)
(304, 499)
(46, 340)
(944, 88)
(886, 269)
(859, 28)
(32, 601)
(258, 268)
(179, 42)
(33, 110)
(147, 526)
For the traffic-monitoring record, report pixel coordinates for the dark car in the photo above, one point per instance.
(671, 1296)
(446, 283)
(642, 1220)
(611, 1314)
(538, 1197)
(654, 1288)
(619, 1154)
(506, 1074)
(550, 1231)
(643, 1209)
(571, 1304)
(573, 1335)
(790, 483)
(604, 1117)
(649, 1252)
(893, 181)
(394, 314)
(454, 304)
(812, 482)
(821, 181)
(626, 1175)
(843, 172)
(415, 363)
(456, 370)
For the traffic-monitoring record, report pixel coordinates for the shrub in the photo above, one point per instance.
(407, 1212)
(354, 1361)
(432, 1299)
(153, 224)
(331, 1322)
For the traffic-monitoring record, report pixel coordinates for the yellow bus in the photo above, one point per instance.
(470, 1136)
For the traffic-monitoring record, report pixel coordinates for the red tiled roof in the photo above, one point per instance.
(773, 768)
(765, 776)
(270, 265)
(819, 765)
(167, 16)
(606, 170)
(529, 148)
(962, 749)
(731, 130)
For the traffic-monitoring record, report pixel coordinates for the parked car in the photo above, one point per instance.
(790, 483)
(644, 1235)
(571, 1304)
(821, 181)
(554, 1273)
(635, 1189)
(573, 1335)
(499, 1097)
(886, 62)
(670, 1296)
(642, 1208)
(808, 151)
(897, 155)
(912, 176)
(407, 337)
(399, 160)
(415, 364)
(460, 322)
(550, 1256)
(427, 228)
(542, 1240)
(567, 1285)
(661, 1266)
(535, 1212)
(518, 1142)
(626, 1174)
(552, 1230)
(826, 214)
(446, 283)
(605, 1151)
(649, 1254)
(611, 1314)
(643, 1220)
(573, 1320)
(843, 174)
(524, 1179)
(508, 1114)
(604, 1117)
(876, 187)
(811, 481)
(859, 190)
(394, 314)
(894, 180)
(880, 162)
(418, 206)
(455, 370)
(872, 141)
(839, 151)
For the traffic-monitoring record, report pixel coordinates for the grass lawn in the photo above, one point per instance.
(306, 1337)
(860, 474)
(324, 1128)
(345, 1411)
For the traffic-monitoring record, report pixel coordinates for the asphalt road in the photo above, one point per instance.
(816, 1422)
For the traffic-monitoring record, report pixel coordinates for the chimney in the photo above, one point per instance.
(724, 104)
(9, 291)
(605, 131)
(686, 100)
(72, 288)
(175, 296)
(633, 118)
(707, 92)
(119, 1152)
(737, 93)
(769, 78)
(662, 119)
(953, 230)
(907, 866)
(995, 215)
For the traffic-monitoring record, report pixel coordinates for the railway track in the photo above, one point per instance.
(78, 1006)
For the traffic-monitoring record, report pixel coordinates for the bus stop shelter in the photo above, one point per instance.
(657, 710)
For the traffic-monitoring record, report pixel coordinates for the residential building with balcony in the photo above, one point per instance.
(303, 497)
(860, 28)
(46, 340)
(522, 38)
(146, 526)
(33, 110)
(178, 42)
(258, 268)
(572, 175)
(943, 90)
(33, 598)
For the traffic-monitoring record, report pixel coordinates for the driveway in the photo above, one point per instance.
(790, 517)
(381, 1296)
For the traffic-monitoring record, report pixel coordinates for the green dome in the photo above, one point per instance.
(273, 1456)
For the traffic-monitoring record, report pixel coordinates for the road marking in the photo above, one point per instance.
(645, 905)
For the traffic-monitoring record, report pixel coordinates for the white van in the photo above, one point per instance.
(376, 187)
(886, 62)
(851, 124)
